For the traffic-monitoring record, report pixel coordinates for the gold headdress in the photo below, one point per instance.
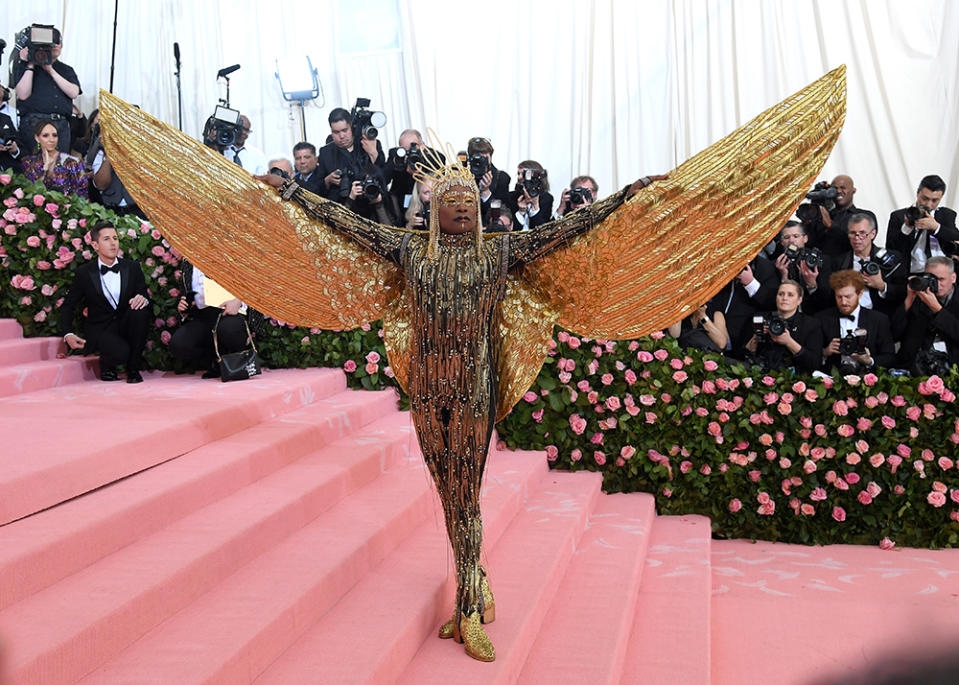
(442, 177)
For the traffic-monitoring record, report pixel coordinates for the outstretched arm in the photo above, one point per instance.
(530, 245)
(386, 241)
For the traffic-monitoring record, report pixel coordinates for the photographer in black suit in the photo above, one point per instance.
(924, 230)
(307, 175)
(828, 228)
(530, 202)
(882, 270)
(493, 183)
(805, 265)
(786, 337)
(752, 290)
(927, 322)
(401, 164)
(859, 339)
(118, 307)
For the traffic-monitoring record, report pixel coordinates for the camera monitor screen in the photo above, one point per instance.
(227, 115)
(41, 35)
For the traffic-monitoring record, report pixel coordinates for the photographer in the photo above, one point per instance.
(882, 270)
(924, 230)
(827, 223)
(859, 339)
(281, 166)
(9, 148)
(418, 213)
(787, 337)
(499, 218)
(402, 163)
(530, 202)
(45, 86)
(753, 289)
(341, 162)
(245, 155)
(804, 265)
(927, 322)
(582, 191)
(493, 183)
(306, 161)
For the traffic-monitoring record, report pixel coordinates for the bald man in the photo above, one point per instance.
(829, 231)
(245, 155)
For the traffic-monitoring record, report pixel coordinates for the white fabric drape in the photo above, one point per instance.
(615, 88)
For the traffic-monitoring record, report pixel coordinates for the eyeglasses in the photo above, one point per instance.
(859, 234)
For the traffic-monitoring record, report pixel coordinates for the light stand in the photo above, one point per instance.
(300, 86)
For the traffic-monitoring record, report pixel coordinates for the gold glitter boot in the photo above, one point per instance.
(489, 604)
(447, 630)
(468, 630)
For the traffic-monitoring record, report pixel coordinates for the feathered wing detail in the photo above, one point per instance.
(268, 252)
(676, 243)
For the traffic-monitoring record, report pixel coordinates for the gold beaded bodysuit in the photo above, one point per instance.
(467, 322)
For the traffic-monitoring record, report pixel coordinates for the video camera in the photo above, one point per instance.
(822, 195)
(812, 257)
(924, 281)
(39, 40)
(366, 122)
(532, 181)
(223, 127)
(578, 196)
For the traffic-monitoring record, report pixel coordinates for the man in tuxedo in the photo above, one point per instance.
(828, 231)
(305, 159)
(866, 332)
(926, 229)
(882, 270)
(752, 290)
(118, 307)
(928, 321)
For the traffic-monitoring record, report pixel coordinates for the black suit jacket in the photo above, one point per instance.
(87, 288)
(315, 183)
(738, 307)
(544, 214)
(878, 336)
(894, 275)
(947, 235)
(499, 190)
(805, 330)
(919, 326)
(330, 158)
(833, 241)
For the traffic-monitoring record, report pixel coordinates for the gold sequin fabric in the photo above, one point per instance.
(676, 243)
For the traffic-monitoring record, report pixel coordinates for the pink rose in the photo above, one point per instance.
(799, 387)
(873, 488)
(33, 241)
(705, 470)
(661, 355)
(38, 200)
(597, 439)
(650, 417)
(870, 379)
(945, 463)
(583, 386)
(599, 457)
(913, 413)
(767, 509)
(606, 379)
(807, 509)
(936, 499)
(575, 455)
(709, 387)
(935, 384)
(754, 476)
(845, 430)
(714, 428)
(5, 179)
(349, 366)
(613, 403)
(48, 290)
(839, 514)
(680, 376)
(886, 544)
(817, 495)
(627, 452)
(735, 505)
(630, 376)
(809, 466)
(864, 498)
(538, 415)
(373, 357)
(784, 408)
(577, 423)
(645, 356)
(811, 395)
(863, 423)
(552, 452)
(888, 422)
(372, 367)
(677, 364)
(165, 337)
(592, 396)
(530, 396)
(877, 460)
(840, 408)
(573, 342)
(710, 365)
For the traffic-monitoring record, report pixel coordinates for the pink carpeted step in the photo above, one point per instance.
(10, 328)
(39, 550)
(670, 640)
(248, 619)
(526, 567)
(24, 350)
(33, 376)
(407, 596)
(101, 432)
(65, 631)
(586, 632)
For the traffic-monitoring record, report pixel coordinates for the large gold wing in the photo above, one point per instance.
(266, 251)
(676, 243)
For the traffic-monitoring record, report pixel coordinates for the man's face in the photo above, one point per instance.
(55, 52)
(244, 133)
(792, 235)
(407, 138)
(282, 164)
(107, 245)
(847, 299)
(504, 222)
(947, 281)
(458, 212)
(928, 199)
(844, 185)
(305, 161)
(342, 134)
(861, 236)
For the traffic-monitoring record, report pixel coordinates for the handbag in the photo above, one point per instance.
(237, 366)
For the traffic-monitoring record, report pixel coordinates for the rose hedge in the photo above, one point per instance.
(779, 457)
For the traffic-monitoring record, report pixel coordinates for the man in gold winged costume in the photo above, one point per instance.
(467, 317)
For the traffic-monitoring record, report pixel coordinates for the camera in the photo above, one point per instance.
(224, 126)
(424, 214)
(366, 122)
(277, 171)
(347, 176)
(766, 326)
(913, 214)
(531, 180)
(579, 196)
(853, 343)
(885, 262)
(478, 164)
(496, 210)
(406, 160)
(822, 195)
(8, 133)
(371, 187)
(811, 257)
(924, 281)
(39, 40)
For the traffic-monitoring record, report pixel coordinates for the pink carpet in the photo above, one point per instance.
(284, 530)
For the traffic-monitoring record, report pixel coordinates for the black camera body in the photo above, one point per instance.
(478, 164)
(224, 126)
(812, 257)
(924, 281)
(885, 262)
(531, 181)
(496, 210)
(853, 343)
(402, 159)
(366, 122)
(822, 195)
(8, 133)
(347, 176)
(424, 214)
(277, 171)
(768, 325)
(39, 40)
(372, 188)
(913, 214)
(578, 196)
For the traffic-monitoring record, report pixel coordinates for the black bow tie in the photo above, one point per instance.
(848, 317)
(115, 268)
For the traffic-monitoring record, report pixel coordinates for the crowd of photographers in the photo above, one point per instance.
(823, 297)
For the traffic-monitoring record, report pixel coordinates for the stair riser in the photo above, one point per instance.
(10, 329)
(23, 379)
(30, 350)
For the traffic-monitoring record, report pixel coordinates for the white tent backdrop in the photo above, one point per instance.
(613, 88)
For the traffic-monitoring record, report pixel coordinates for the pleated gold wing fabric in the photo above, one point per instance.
(266, 251)
(676, 243)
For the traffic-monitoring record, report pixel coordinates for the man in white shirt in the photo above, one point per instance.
(247, 156)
